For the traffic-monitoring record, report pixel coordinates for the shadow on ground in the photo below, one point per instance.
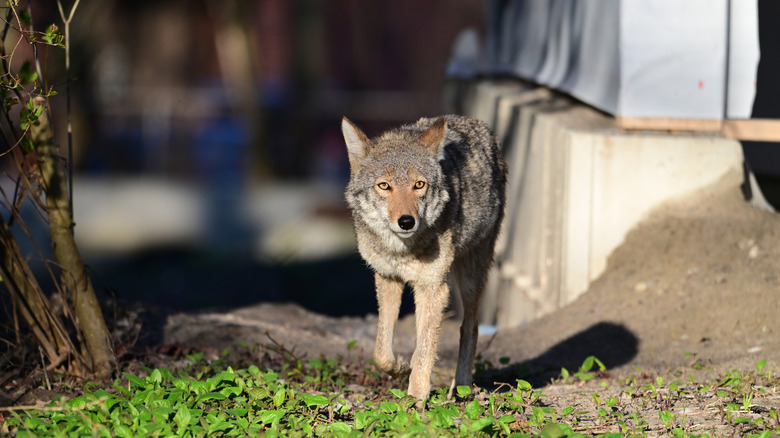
(611, 343)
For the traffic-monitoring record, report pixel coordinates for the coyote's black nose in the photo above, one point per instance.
(406, 222)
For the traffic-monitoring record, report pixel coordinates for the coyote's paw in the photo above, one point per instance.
(395, 366)
(400, 368)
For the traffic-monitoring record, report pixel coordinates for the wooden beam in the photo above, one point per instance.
(738, 129)
(752, 129)
(669, 124)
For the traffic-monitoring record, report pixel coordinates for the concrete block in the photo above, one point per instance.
(577, 185)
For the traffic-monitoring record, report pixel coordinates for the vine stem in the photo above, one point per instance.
(66, 23)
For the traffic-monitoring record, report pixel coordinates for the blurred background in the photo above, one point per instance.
(208, 154)
(210, 165)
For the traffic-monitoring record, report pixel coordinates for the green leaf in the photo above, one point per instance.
(52, 35)
(199, 388)
(760, 365)
(340, 427)
(351, 344)
(388, 407)
(181, 384)
(123, 431)
(522, 385)
(162, 413)
(24, 16)
(34, 423)
(398, 393)
(77, 402)
(463, 391)
(442, 417)
(26, 74)
(473, 410)
(218, 426)
(195, 357)
(210, 396)
(155, 377)
(271, 416)
(258, 393)
(363, 419)
(237, 412)
(552, 430)
(314, 400)
(230, 390)
(182, 417)
(271, 376)
(279, 397)
(482, 423)
(587, 364)
(407, 402)
(400, 420)
(135, 381)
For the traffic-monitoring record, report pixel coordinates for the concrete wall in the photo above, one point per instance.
(577, 185)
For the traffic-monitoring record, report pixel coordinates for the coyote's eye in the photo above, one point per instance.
(419, 184)
(383, 186)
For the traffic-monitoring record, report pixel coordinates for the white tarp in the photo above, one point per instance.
(632, 58)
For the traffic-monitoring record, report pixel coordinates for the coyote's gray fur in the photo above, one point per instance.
(427, 201)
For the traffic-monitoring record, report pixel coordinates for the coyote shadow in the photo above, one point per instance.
(611, 343)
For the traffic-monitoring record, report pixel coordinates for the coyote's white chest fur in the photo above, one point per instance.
(398, 261)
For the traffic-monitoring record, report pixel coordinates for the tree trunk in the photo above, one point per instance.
(74, 277)
(29, 299)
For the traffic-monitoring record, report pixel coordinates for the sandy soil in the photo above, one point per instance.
(697, 282)
(699, 276)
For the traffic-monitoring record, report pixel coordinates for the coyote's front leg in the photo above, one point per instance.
(388, 295)
(429, 302)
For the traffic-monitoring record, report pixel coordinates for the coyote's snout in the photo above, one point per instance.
(405, 203)
(427, 201)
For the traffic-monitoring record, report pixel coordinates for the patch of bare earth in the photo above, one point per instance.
(699, 279)
(692, 294)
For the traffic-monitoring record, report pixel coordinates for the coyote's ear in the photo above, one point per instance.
(433, 137)
(357, 142)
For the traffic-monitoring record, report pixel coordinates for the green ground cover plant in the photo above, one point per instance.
(327, 397)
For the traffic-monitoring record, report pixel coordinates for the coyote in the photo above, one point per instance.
(427, 201)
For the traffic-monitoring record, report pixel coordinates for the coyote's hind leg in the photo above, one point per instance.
(471, 278)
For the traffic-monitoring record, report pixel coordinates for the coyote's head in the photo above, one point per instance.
(396, 185)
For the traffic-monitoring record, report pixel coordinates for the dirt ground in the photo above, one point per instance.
(700, 275)
(696, 283)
